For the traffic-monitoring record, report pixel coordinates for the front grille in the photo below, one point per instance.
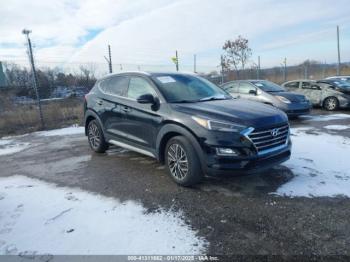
(271, 138)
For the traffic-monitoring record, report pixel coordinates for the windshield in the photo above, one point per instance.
(187, 88)
(268, 86)
(341, 83)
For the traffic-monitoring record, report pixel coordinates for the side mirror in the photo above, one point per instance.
(253, 92)
(146, 99)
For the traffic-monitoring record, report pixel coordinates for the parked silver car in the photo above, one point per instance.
(269, 93)
(320, 94)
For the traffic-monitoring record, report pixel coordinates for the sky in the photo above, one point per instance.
(144, 34)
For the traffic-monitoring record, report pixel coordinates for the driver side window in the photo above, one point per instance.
(139, 86)
(245, 88)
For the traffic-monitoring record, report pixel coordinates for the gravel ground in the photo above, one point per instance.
(236, 215)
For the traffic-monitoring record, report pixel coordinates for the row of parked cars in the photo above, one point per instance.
(295, 97)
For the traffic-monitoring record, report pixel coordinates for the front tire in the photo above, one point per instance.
(96, 138)
(182, 161)
(331, 103)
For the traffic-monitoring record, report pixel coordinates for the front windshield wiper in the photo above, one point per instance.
(185, 101)
(209, 98)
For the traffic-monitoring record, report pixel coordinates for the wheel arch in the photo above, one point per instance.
(328, 97)
(171, 130)
(89, 116)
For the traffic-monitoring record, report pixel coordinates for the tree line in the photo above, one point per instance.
(48, 79)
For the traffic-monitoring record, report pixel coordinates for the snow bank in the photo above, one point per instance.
(337, 127)
(325, 117)
(8, 147)
(38, 218)
(320, 164)
(73, 130)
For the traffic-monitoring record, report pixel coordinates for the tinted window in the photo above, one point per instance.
(139, 86)
(292, 85)
(231, 87)
(308, 85)
(116, 85)
(244, 88)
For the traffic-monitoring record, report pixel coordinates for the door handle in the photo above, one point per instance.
(125, 109)
(99, 102)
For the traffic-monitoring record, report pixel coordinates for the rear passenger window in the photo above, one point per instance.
(292, 85)
(116, 85)
(139, 86)
(306, 85)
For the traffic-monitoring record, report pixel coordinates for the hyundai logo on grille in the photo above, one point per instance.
(275, 132)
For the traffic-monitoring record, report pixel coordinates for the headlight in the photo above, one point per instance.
(283, 99)
(217, 125)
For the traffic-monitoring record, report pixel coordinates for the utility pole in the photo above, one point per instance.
(35, 78)
(177, 61)
(258, 72)
(195, 63)
(109, 59)
(285, 69)
(338, 68)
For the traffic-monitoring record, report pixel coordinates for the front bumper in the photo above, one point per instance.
(219, 165)
(297, 109)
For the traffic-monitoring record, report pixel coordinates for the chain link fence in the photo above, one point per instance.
(62, 88)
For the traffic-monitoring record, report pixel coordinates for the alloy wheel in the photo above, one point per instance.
(94, 136)
(331, 103)
(177, 161)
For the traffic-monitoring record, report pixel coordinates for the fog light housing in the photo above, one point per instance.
(225, 151)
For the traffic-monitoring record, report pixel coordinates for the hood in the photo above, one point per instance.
(293, 97)
(240, 111)
(344, 90)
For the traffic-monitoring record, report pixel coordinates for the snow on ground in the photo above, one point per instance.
(8, 147)
(40, 218)
(337, 127)
(325, 117)
(73, 130)
(320, 163)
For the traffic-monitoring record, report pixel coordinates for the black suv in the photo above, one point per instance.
(187, 123)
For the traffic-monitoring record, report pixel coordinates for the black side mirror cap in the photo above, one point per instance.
(253, 92)
(146, 99)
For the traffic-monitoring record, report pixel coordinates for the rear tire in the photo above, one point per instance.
(96, 138)
(182, 162)
(331, 103)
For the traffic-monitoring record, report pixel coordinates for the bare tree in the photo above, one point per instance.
(237, 53)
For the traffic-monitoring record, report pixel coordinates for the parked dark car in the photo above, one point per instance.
(269, 93)
(320, 93)
(339, 78)
(186, 122)
(339, 85)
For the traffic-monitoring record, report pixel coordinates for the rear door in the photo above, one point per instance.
(312, 91)
(113, 101)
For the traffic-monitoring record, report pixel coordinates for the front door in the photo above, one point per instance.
(248, 91)
(142, 120)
